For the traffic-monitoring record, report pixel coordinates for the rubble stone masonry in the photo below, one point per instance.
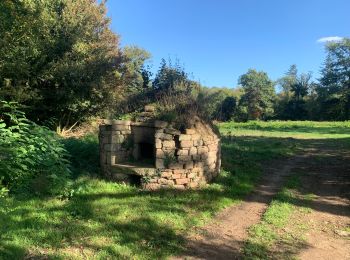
(179, 159)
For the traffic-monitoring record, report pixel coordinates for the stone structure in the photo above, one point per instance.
(155, 155)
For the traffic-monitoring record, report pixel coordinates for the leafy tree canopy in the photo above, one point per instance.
(58, 57)
(335, 81)
(259, 94)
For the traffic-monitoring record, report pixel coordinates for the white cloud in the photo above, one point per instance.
(330, 39)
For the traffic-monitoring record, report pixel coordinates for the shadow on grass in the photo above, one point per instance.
(307, 127)
(108, 220)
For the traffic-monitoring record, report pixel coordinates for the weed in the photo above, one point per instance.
(169, 158)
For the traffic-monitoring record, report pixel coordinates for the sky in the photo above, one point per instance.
(219, 40)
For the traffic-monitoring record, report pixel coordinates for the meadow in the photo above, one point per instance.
(106, 220)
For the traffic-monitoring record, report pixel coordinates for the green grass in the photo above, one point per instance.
(271, 232)
(106, 220)
(295, 129)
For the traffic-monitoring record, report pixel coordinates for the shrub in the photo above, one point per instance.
(32, 157)
(84, 153)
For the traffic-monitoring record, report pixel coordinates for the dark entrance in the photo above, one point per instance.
(146, 151)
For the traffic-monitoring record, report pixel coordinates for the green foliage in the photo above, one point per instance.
(173, 77)
(83, 154)
(109, 220)
(175, 95)
(218, 103)
(259, 94)
(292, 101)
(334, 91)
(169, 158)
(135, 76)
(32, 157)
(264, 235)
(295, 129)
(59, 58)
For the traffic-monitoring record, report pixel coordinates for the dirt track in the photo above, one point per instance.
(326, 173)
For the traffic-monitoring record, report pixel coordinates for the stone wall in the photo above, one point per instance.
(181, 159)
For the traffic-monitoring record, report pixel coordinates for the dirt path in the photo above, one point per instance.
(224, 237)
(327, 176)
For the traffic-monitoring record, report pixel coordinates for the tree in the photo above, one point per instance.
(173, 77)
(134, 74)
(291, 102)
(227, 109)
(259, 94)
(289, 79)
(58, 57)
(218, 103)
(334, 91)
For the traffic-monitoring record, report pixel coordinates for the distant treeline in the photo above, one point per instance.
(60, 60)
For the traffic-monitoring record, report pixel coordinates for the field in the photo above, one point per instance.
(105, 220)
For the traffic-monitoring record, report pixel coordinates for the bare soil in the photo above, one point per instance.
(326, 174)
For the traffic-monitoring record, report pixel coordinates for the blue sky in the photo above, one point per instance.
(219, 40)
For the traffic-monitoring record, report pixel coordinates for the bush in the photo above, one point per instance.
(32, 157)
(84, 153)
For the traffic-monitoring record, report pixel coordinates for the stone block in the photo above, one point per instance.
(191, 175)
(180, 171)
(176, 176)
(158, 144)
(172, 131)
(198, 142)
(111, 159)
(213, 147)
(160, 163)
(166, 174)
(169, 151)
(151, 186)
(184, 158)
(179, 187)
(164, 136)
(193, 151)
(186, 144)
(160, 124)
(203, 150)
(182, 181)
(189, 165)
(211, 160)
(176, 165)
(199, 165)
(193, 185)
(168, 144)
(166, 182)
(195, 137)
(196, 157)
(196, 169)
(182, 152)
(185, 137)
(212, 166)
(190, 131)
(160, 153)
